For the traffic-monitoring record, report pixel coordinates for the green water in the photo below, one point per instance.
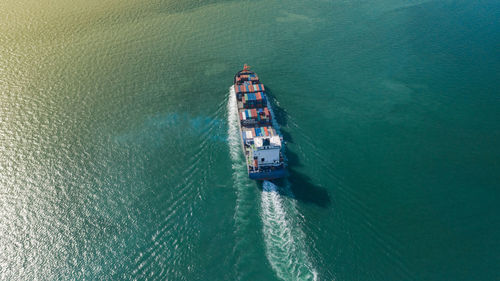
(119, 160)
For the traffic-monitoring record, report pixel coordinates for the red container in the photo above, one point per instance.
(254, 113)
(267, 132)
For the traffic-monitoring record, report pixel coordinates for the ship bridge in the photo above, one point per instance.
(266, 151)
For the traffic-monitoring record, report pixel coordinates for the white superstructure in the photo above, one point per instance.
(266, 150)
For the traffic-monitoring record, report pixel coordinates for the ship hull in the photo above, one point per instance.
(271, 175)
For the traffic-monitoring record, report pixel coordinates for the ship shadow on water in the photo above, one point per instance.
(301, 185)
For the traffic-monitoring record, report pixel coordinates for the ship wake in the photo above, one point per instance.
(244, 201)
(238, 162)
(284, 239)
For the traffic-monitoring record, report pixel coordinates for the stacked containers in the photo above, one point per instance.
(247, 101)
(267, 114)
(248, 87)
(253, 111)
(273, 132)
(254, 100)
(262, 115)
(259, 115)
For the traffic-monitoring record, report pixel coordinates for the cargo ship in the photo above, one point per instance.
(261, 141)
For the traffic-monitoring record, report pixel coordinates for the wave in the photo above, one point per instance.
(179, 223)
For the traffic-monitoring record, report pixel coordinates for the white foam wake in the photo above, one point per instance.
(238, 165)
(244, 196)
(284, 239)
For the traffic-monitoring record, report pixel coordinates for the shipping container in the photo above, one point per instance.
(254, 113)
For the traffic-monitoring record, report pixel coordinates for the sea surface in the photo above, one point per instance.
(120, 157)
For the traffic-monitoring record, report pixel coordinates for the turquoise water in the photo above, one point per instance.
(119, 159)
